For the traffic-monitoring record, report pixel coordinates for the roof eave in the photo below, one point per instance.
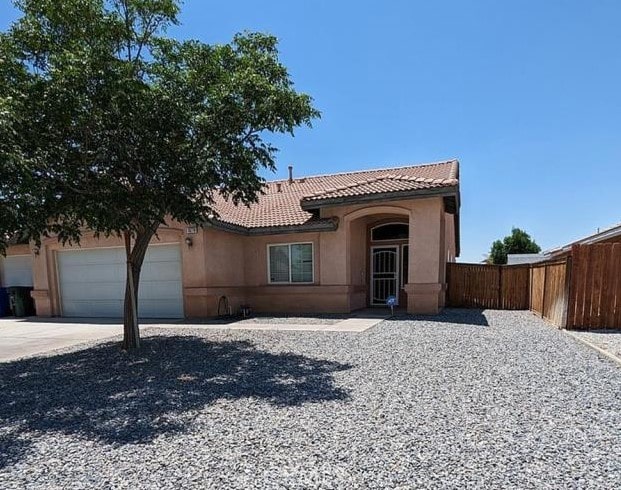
(330, 224)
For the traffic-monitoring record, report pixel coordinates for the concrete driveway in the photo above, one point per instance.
(26, 337)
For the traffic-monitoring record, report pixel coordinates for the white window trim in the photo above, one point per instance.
(386, 224)
(269, 267)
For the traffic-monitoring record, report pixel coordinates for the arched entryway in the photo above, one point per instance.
(378, 255)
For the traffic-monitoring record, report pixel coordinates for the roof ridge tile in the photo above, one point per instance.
(453, 162)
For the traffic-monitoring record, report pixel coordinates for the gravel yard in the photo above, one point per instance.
(462, 400)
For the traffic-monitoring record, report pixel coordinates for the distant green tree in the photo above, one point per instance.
(497, 254)
(518, 242)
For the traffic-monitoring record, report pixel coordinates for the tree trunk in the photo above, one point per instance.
(135, 258)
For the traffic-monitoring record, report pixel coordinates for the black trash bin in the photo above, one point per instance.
(5, 309)
(21, 302)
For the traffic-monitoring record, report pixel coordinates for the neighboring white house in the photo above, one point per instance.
(514, 259)
(16, 270)
(608, 235)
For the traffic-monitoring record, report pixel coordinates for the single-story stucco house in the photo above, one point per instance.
(329, 243)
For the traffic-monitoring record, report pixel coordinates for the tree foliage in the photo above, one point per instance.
(518, 242)
(114, 127)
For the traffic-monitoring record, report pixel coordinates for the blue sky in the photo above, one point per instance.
(526, 94)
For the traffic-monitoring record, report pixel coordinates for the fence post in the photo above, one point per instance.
(500, 287)
(567, 293)
(448, 284)
(543, 299)
(530, 287)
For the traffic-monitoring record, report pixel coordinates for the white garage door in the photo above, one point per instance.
(16, 270)
(92, 282)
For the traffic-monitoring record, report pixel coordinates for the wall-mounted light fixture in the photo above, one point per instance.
(188, 241)
(36, 250)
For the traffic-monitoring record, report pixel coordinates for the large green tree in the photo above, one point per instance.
(114, 127)
(518, 242)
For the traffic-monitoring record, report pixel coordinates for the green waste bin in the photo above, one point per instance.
(21, 302)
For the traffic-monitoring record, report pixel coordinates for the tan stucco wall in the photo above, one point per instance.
(23, 249)
(237, 268)
(221, 263)
(219, 271)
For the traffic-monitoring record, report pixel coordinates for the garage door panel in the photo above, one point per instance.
(156, 290)
(104, 291)
(92, 283)
(162, 271)
(83, 274)
(90, 257)
(163, 253)
(86, 309)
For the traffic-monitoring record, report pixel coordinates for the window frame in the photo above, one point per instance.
(290, 282)
(380, 225)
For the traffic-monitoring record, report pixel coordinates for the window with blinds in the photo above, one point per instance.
(290, 263)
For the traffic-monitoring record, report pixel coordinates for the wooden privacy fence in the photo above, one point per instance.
(582, 291)
(488, 286)
(595, 292)
(549, 290)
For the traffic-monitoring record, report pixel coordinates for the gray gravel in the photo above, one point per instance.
(609, 340)
(462, 400)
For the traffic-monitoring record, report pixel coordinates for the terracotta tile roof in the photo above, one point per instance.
(281, 205)
(377, 185)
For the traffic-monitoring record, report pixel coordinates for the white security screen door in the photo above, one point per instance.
(384, 274)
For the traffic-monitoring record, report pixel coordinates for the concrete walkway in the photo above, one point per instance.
(32, 336)
(355, 324)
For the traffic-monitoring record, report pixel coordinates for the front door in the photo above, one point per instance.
(384, 274)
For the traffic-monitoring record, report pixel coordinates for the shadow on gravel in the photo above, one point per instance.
(105, 394)
(12, 449)
(463, 316)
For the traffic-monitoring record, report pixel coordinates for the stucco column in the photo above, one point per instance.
(334, 264)
(41, 286)
(424, 288)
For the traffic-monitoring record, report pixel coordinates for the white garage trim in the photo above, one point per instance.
(16, 270)
(92, 282)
